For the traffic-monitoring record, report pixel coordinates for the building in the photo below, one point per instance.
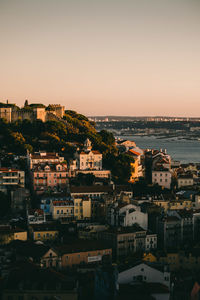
(145, 272)
(19, 199)
(150, 241)
(136, 166)
(186, 260)
(43, 157)
(10, 178)
(49, 176)
(35, 216)
(62, 210)
(88, 159)
(169, 231)
(125, 240)
(32, 112)
(9, 234)
(44, 232)
(122, 214)
(185, 180)
(82, 208)
(162, 177)
(82, 252)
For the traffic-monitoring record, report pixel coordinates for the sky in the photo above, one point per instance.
(102, 57)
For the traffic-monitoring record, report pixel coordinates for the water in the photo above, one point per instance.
(183, 150)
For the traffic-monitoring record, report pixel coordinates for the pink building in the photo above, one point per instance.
(49, 176)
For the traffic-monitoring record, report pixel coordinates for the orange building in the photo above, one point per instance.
(83, 252)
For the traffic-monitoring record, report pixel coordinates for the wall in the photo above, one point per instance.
(151, 274)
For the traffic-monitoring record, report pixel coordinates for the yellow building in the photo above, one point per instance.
(62, 209)
(43, 232)
(82, 208)
(136, 167)
(182, 260)
(149, 257)
(8, 234)
(174, 204)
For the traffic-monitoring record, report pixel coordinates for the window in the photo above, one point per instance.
(57, 212)
(166, 278)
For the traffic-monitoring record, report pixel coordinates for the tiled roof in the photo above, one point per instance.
(78, 245)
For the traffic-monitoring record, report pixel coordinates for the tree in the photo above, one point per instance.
(4, 204)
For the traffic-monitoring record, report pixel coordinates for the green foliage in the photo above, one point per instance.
(4, 204)
(120, 166)
(84, 179)
(107, 137)
(60, 136)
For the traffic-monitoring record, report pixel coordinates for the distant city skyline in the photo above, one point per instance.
(108, 57)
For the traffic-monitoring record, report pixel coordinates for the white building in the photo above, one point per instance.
(146, 272)
(162, 177)
(127, 215)
(88, 159)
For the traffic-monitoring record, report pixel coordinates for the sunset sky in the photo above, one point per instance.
(102, 57)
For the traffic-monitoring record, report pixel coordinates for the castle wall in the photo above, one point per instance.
(13, 114)
(5, 113)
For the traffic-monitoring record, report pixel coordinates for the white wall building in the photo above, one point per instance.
(128, 215)
(88, 159)
(146, 272)
(162, 177)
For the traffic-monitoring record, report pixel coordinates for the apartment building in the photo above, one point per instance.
(10, 178)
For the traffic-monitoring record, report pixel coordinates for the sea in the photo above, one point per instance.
(185, 151)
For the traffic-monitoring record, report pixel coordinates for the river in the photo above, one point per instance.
(183, 150)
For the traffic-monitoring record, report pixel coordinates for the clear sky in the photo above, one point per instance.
(102, 57)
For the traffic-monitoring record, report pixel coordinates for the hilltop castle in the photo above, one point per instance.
(11, 112)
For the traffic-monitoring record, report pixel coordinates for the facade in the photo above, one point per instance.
(169, 232)
(150, 241)
(49, 176)
(82, 208)
(136, 166)
(6, 113)
(62, 210)
(43, 157)
(125, 241)
(127, 215)
(162, 177)
(83, 253)
(88, 159)
(189, 260)
(10, 178)
(12, 113)
(44, 232)
(35, 216)
(146, 272)
(185, 180)
(9, 234)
